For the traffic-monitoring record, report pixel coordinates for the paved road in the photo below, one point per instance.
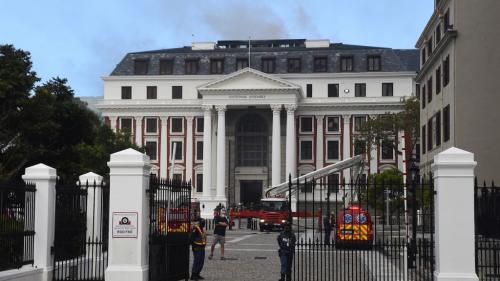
(250, 255)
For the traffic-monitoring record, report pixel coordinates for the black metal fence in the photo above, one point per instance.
(81, 231)
(487, 228)
(170, 225)
(17, 224)
(365, 230)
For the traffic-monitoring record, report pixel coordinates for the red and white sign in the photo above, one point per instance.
(124, 225)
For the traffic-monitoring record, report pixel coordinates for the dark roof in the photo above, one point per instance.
(393, 60)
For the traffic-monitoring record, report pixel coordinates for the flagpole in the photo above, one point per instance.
(249, 47)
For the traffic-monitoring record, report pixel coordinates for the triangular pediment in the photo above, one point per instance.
(249, 78)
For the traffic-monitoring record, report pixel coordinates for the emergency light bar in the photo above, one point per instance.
(282, 189)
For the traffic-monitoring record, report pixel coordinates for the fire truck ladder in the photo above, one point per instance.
(356, 164)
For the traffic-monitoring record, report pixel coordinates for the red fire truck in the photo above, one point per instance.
(273, 213)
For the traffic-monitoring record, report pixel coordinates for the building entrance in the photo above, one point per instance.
(251, 191)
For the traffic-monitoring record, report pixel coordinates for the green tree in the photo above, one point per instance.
(385, 190)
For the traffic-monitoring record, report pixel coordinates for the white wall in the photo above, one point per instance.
(25, 273)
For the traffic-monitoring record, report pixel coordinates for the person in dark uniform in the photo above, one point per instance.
(327, 226)
(286, 242)
(198, 242)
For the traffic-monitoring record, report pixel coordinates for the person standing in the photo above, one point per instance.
(198, 242)
(327, 226)
(221, 223)
(286, 243)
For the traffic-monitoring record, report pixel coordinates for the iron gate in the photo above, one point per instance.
(169, 229)
(381, 230)
(81, 236)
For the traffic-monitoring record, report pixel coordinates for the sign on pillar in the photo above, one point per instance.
(128, 210)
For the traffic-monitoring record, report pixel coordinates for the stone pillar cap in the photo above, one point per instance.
(90, 177)
(128, 157)
(39, 171)
(454, 155)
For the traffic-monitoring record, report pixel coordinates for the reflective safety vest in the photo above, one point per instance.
(202, 239)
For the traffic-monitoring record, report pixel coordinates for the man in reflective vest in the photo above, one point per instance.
(198, 242)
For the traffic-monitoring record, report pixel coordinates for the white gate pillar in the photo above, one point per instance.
(453, 172)
(128, 248)
(92, 183)
(44, 178)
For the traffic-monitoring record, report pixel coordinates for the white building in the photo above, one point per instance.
(240, 126)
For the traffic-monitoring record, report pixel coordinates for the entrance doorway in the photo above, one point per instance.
(251, 192)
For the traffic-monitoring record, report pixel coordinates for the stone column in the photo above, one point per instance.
(138, 131)
(291, 150)
(112, 122)
(453, 171)
(346, 144)
(207, 150)
(221, 153)
(320, 140)
(129, 179)
(189, 148)
(163, 147)
(276, 144)
(44, 178)
(92, 182)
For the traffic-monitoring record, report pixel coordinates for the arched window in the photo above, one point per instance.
(251, 141)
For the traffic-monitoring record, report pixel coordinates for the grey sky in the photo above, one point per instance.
(84, 40)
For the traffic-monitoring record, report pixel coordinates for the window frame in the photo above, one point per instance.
(320, 64)
(136, 66)
(238, 61)
(131, 124)
(376, 63)
(344, 65)
(385, 89)
(197, 150)
(172, 125)
(151, 92)
(312, 124)
(424, 139)
(362, 87)
(198, 125)
(191, 66)
(146, 141)
(197, 182)
(333, 90)
(339, 124)
(356, 117)
(446, 71)
(268, 62)
(437, 129)
(446, 124)
(294, 68)
(126, 92)
(166, 67)
(181, 141)
(303, 140)
(175, 92)
(146, 132)
(214, 66)
(327, 152)
(438, 80)
(424, 96)
(393, 150)
(309, 90)
(429, 90)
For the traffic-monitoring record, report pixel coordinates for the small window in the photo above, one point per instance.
(446, 20)
(423, 56)
(126, 124)
(199, 150)
(446, 123)
(387, 89)
(387, 150)
(438, 33)
(199, 182)
(166, 67)
(359, 122)
(199, 125)
(429, 135)
(320, 64)
(126, 92)
(151, 150)
(152, 125)
(360, 90)
(309, 92)
(332, 150)
(423, 139)
(424, 96)
(429, 46)
(333, 183)
(177, 125)
(333, 90)
(177, 178)
(374, 63)
(438, 80)
(446, 70)
(346, 64)
(268, 65)
(241, 63)
(191, 66)
(333, 124)
(417, 91)
(151, 92)
(141, 67)
(177, 153)
(429, 90)
(216, 66)
(306, 124)
(359, 147)
(438, 128)
(176, 92)
(306, 150)
(294, 65)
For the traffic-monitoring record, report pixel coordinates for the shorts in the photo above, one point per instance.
(219, 239)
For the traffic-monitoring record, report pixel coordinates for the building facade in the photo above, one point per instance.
(459, 65)
(235, 117)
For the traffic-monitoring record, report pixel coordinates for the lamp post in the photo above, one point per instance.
(413, 242)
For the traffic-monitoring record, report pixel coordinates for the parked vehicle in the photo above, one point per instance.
(273, 213)
(354, 227)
